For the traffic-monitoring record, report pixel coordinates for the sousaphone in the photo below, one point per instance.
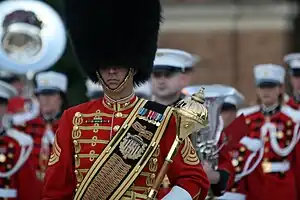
(32, 36)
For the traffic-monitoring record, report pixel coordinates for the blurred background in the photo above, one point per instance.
(230, 36)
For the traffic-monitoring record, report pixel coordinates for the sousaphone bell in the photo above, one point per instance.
(32, 36)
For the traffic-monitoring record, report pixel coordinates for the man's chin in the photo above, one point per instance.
(112, 86)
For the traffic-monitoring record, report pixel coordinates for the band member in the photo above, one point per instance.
(293, 62)
(50, 91)
(144, 90)
(275, 126)
(230, 106)
(171, 73)
(17, 178)
(102, 150)
(94, 91)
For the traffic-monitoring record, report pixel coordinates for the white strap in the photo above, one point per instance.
(8, 193)
(247, 169)
(280, 166)
(274, 141)
(252, 144)
(22, 118)
(24, 154)
(178, 193)
(232, 196)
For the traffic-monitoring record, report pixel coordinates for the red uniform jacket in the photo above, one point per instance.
(290, 101)
(17, 180)
(274, 177)
(75, 152)
(43, 138)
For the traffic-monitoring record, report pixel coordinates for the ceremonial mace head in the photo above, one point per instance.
(191, 115)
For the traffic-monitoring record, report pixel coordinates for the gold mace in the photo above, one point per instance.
(191, 116)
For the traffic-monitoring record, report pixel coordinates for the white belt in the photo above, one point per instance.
(232, 196)
(269, 167)
(8, 193)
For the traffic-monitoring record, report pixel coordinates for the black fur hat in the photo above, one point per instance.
(114, 33)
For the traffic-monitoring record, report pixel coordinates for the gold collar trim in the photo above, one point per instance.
(121, 104)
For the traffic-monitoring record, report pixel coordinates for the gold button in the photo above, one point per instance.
(266, 139)
(75, 142)
(248, 121)
(75, 127)
(289, 123)
(233, 189)
(266, 166)
(154, 160)
(77, 185)
(267, 150)
(237, 169)
(287, 142)
(119, 114)
(240, 158)
(289, 132)
(116, 128)
(280, 135)
(2, 158)
(235, 162)
(242, 149)
(10, 155)
(10, 145)
(8, 166)
(152, 176)
(78, 114)
(266, 159)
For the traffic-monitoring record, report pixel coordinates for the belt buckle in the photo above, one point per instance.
(267, 167)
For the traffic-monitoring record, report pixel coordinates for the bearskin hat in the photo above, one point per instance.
(114, 33)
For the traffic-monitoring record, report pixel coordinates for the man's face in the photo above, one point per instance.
(50, 102)
(166, 83)
(113, 76)
(269, 95)
(295, 82)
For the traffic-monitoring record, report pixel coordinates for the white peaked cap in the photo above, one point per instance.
(290, 57)
(175, 58)
(92, 87)
(51, 81)
(7, 91)
(269, 73)
(214, 90)
(145, 89)
(294, 64)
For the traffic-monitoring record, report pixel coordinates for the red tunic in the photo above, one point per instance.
(77, 152)
(43, 137)
(17, 180)
(275, 171)
(292, 103)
